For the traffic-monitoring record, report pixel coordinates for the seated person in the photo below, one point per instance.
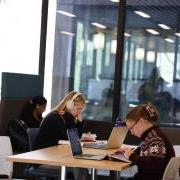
(66, 115)
(31, 113)
(30, 117)
(155, 151)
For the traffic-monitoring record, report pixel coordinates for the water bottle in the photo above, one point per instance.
(118, 122)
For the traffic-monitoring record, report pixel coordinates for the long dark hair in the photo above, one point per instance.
(30, 106)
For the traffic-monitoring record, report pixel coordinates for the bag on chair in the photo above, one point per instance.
(18, 134)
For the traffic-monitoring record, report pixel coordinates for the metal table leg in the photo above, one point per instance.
(63, 172)
(118, 175)
(93, 174)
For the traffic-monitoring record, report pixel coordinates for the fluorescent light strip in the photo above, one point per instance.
(169, 40)
(164, 26)
(152, 31)
(65, 13)
(127, 34)
(67, 33)
(142, 14)
(132, 105)
(98, 25)
(177, 34)
(114, 0)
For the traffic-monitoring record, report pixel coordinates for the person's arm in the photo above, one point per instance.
(51, 131)
(80, 127)
(153, 161)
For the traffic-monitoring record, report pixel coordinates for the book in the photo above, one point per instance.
(119, 156)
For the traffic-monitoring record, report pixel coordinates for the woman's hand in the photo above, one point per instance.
(127, 151)
(79, 118)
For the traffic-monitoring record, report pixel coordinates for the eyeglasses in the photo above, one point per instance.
(131, 128)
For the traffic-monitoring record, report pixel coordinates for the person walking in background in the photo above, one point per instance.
(155, 151)
(31, 113)
(151, 87)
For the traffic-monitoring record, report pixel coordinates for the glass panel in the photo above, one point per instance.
(84, 53)
(20, 36)
(150, 64)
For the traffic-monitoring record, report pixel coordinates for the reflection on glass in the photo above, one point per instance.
(151, 63)
(84, 55)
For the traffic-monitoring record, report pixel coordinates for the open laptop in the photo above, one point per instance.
(115, 140)
(77, 149)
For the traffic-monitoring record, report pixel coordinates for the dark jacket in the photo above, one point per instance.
(32, 122)
(54, 128)
(153, 155)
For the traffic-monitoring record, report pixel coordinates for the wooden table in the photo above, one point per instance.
(61, 156)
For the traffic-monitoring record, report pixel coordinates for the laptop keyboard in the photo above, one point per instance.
(86, 155)
(96, 145)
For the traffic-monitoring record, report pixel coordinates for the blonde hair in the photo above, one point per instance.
(62, 106)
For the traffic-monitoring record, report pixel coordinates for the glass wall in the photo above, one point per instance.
(150, 64)
(84, 53)
(20, 36)
(84, 57)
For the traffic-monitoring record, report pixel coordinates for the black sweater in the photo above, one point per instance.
(54, 128)
(153, 155)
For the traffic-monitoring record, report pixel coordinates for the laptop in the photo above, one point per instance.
(76, 148)
(115, 140)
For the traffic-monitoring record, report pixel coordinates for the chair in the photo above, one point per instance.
(6, 168)
(41, 170)
(172, 171)
(32, 134)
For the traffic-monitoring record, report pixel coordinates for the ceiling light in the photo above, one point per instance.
(127, 34)
(98, 41)
(177, 34)
(67, 33)
(132, 105)
(115, 0)
(113, 46)
(169, 40)
(152, 31)
(150, 56)
(65, 13)
(164, 26)
(144, 15)
(98, 25)
(139, 53)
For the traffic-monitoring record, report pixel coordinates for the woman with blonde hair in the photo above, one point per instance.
(66, 115)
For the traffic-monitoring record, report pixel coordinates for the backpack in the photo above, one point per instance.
(17, 131)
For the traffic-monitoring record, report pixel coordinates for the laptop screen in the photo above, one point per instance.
(74, 141)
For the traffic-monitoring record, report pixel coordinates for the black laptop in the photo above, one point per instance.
(76, 148)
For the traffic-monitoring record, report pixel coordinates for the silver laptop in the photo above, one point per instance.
(77, 149)
(115, 140)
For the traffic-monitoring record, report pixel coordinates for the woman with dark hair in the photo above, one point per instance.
(155, 151)
(31, 113)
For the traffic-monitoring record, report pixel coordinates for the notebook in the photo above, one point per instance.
(76, 148)
(119, 156)
(115, 140)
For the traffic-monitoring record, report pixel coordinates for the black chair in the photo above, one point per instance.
(40, 170)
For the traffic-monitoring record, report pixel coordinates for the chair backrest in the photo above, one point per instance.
(6, 167)
(172, 171)
(32, 134)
